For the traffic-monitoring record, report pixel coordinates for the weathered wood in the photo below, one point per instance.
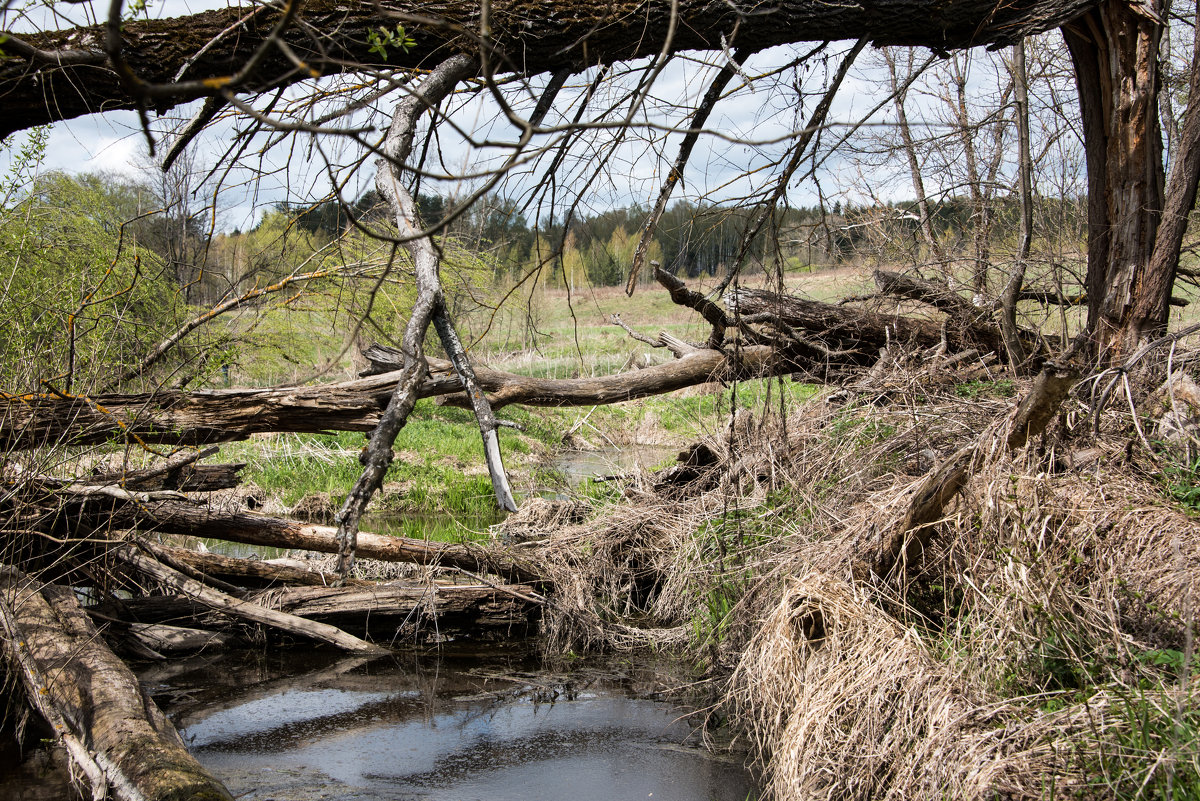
(178, 472)
(92, 701)
(165, 639)
(178, 517)
(246, 610)
(843, 327)
(171, 417)
(823, 339)
(246, 572)
(1041, 404)
(969, 323)
(450, 605)
(390, 181)
(379, 609)
(903, 546)
(194, 418)
(694, 367)
(60, 75)
(1114, 48)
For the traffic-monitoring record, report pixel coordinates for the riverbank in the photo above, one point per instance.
(1035, 643)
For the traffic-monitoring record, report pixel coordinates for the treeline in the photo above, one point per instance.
(694, 240)
(97, 269)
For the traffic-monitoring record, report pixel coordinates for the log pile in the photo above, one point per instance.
(101, 538)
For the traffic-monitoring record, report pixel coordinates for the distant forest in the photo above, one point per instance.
(693, 240)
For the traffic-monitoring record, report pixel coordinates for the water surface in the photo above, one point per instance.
(457, 726)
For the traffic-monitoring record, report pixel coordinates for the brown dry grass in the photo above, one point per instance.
(1011, 656)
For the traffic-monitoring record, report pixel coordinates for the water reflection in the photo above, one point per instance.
(458, 726)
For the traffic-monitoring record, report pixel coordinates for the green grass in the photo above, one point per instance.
(1155, 752)
(1182, 482)
(439, 462)
(974, 390)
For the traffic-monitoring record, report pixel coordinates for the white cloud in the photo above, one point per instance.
(114, 155)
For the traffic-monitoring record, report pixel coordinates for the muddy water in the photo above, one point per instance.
(579, 465)
(455, 726)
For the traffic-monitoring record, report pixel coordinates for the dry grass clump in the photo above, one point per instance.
(849, 704)
(1036, 648)
(609, 571)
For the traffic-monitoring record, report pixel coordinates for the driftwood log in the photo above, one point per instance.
(183, 517)
(121, 742)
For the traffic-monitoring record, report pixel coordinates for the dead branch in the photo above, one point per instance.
(246, 610)
(111, 729)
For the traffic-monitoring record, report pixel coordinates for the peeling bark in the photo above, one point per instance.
(1115, 51)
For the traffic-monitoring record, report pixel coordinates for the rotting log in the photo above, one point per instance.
(867, 331)
(383, 610)
(181, 517)
(180, 471)
(253, 573)
(117, 736)
(931, 293)
(245, 610)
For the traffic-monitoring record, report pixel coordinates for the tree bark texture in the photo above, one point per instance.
(1152, 302)
(92, 699)
(181, 517)
(242, 609)
(60, 75)
(1115, 51)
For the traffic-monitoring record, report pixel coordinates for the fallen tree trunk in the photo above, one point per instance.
(193, 418)
(113, 731)
(181, 517)
(255, 573)
(246, 610)
(696, 367)
(452, 606)
(824, 340)
(49, 76)
(847, 327)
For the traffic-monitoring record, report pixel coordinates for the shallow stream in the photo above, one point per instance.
(460, 724)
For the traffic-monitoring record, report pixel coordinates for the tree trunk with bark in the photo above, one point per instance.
(1115, 51)
(114, 733)
(161, 63)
